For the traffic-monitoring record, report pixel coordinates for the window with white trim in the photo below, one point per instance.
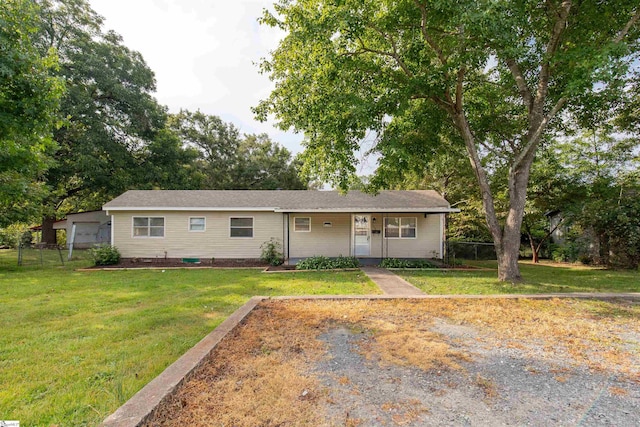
(400, 228)
(241, 227)
(148, 226)
(197, 223)
(302, 224)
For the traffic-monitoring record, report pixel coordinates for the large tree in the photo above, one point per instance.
(29, 99)
(505, 73)
(228, 160)
(216, 142)
(110, 113)
(266, 165)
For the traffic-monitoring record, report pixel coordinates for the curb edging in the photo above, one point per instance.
(142, 405)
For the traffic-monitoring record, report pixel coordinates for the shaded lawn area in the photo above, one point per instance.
(76, 345)
(540, 278)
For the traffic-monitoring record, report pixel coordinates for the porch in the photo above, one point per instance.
(369, 236)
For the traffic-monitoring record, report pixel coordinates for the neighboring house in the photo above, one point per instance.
(235, 223)
(558, 229)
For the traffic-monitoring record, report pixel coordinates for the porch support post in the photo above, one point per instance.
(442, 235)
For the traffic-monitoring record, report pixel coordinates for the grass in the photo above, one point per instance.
(76, 345)
(540, 278)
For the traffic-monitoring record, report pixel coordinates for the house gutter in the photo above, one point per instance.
(369, 210)
(283, 210)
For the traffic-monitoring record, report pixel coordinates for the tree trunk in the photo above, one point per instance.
(49, 236)
(508, 268)
(506, 239)
(534, 249)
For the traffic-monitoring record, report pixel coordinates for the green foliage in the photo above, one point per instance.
(592, 180)
(215, 142)
(105, 255)
(29, 100)
(568, 252)
(11, 235)
(225, 160)
(501, 72)
(109, 109)
(266, 165)
(405, 263)
(454, 262)
(272, 252)
(326, 263)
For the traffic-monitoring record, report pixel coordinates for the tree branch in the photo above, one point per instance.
(622, 34)
(459, 88)
(393, 55)
(549, 233)
(552, 46)
(425, 34)
(534, 138)
(525, 93)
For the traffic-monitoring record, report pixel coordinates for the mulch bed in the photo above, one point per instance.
(131, 263)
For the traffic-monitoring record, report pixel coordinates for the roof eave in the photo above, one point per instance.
(182, 208)
(370, 210)
(272, 209)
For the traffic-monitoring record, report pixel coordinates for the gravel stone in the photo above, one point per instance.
(501, 386)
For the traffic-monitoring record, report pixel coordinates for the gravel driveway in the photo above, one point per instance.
(417, 363)
(499, 387)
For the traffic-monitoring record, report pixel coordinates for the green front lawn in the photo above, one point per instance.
(541, 278)
(76, 345)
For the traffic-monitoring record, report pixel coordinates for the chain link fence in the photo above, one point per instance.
(40, 255)
(469, 250)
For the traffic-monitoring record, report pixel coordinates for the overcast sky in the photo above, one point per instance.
(204, 55)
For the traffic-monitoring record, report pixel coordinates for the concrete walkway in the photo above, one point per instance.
(391, 284)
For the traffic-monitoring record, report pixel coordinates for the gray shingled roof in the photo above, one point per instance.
(279, 200)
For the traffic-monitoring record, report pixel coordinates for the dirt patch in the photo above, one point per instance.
(420, 362)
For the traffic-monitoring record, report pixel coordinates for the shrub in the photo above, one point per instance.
(568, 252)
(454, 262)
(404, 263)
(105, 255)
(272, 252)
(325, 263)
(13, 234)
(345, 262)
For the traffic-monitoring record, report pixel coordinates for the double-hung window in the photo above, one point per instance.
(197, 223)
(148, 226)
(400, 228)
(241, 227)
(302, 224)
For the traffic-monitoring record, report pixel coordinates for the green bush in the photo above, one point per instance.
(569, 252)
(13, 234)
(404, 263)
(272, 252)
(105, 255)
(325, 263)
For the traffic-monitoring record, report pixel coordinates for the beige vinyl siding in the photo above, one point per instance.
(328, 241)
(179, 242)
(426, 245)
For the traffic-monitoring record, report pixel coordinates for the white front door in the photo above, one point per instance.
(362, 235)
